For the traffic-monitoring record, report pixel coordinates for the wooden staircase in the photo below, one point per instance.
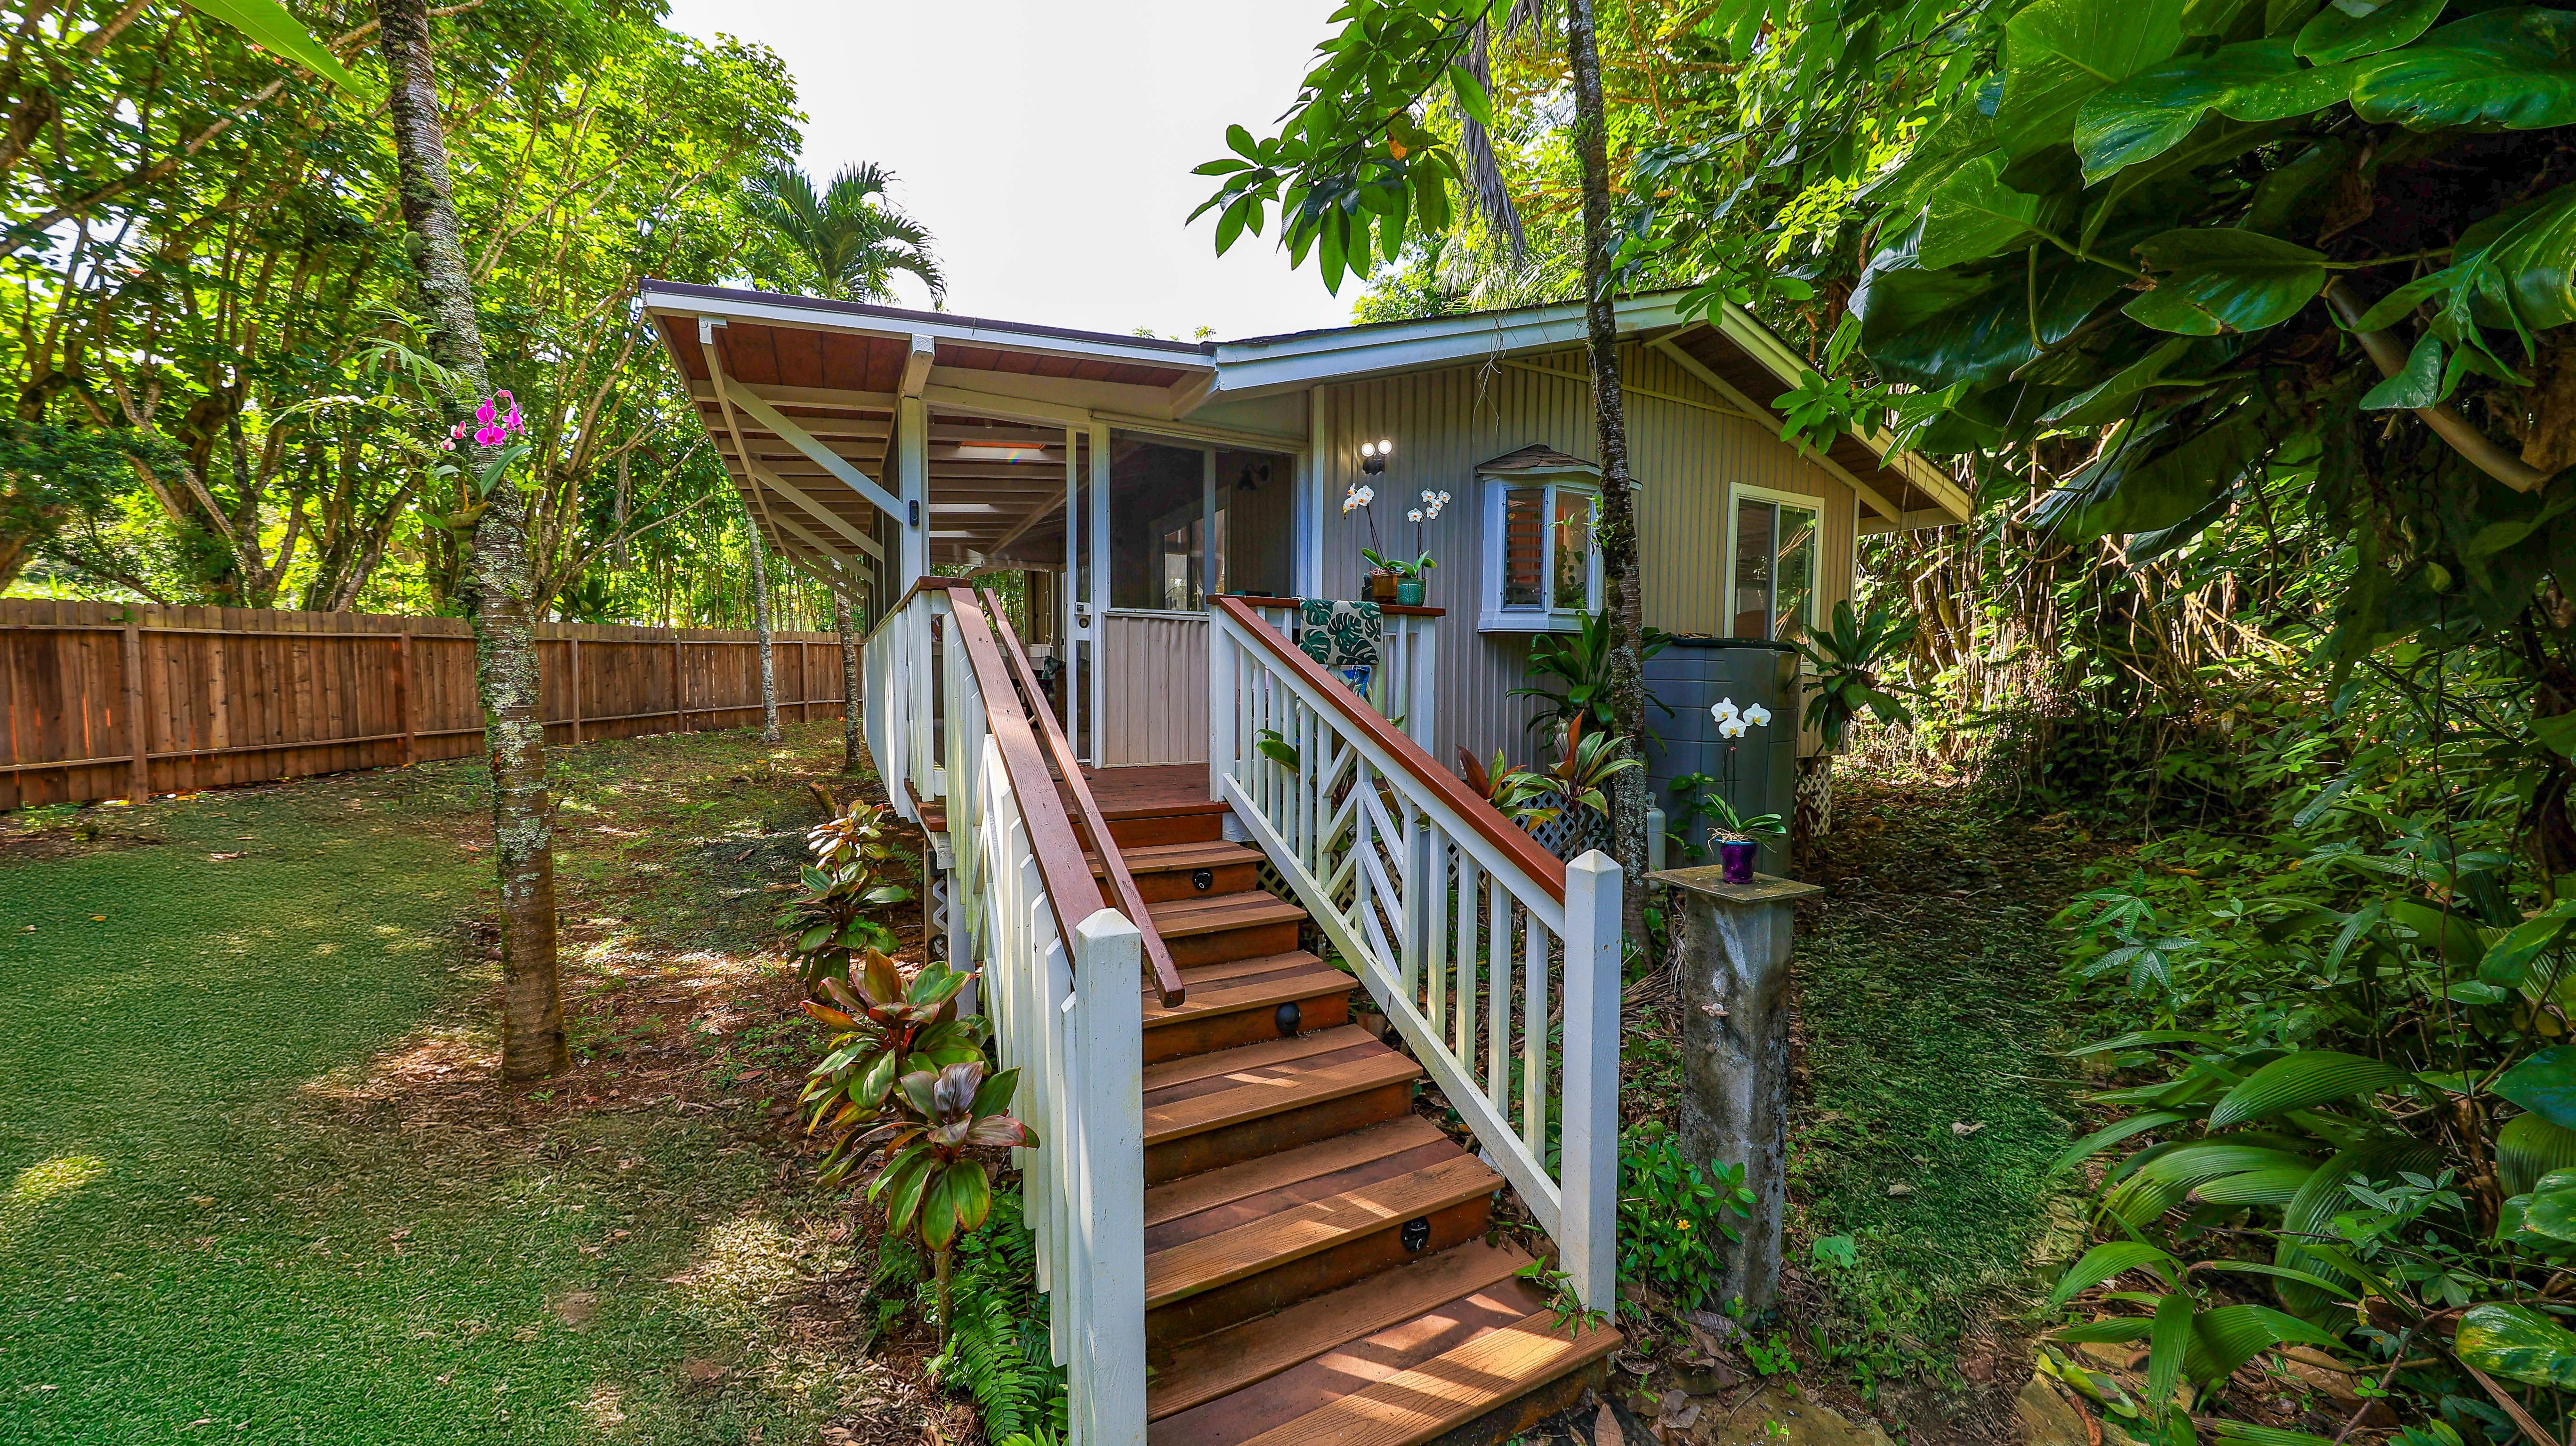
(1318, 1267)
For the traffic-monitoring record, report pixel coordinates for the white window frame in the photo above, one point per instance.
(1742, 492)
(1491, 615)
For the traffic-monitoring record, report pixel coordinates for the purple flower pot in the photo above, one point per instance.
(1737, 860)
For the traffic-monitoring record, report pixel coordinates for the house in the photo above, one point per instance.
(1195, 468)
(1245, 1231)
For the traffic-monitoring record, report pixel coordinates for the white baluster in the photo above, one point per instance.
(1107, 1038)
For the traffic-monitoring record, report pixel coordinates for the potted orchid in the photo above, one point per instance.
(1411, 578)
(1737, 836)
(1383, 576)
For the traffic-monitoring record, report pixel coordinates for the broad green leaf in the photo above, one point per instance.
(1936, 328)
(2105, 1261)
(2508, 960)
(2154, 477)
(2231, 1335)
(2305, 1222)
(2519, 1344)
(2169, 1343)
(939, 1209)
(2220, 280)
(2113, 1134)
(2350, 29)
(2519, 263)
(2209, 1159)
(2545, 1084)
(994, 1096)
(2112, 1330)
(269, 24)
(2448, 931)
(2278, 1185)
(2277, 1272)
(2058, 52)
(972, 1192)
(2512, 69)
(2303, 1080)
(2552, 1212)
(2154, 110)
(2528, 1149)
(2417, 384)
(2254, 1434)
(1975, 215)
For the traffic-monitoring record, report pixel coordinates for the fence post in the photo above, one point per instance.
(1109, 1161)
(574, 668)
(138, 735)
(1589, 1237)
(402, 695)
(679, 681)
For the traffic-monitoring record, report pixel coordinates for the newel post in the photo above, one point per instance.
(1588, 1233)
(1105, 1037)
(1731, 950)
(1224, 670)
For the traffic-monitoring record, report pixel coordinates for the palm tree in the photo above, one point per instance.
(854, 238)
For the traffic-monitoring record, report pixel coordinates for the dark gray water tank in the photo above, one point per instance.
(1758, 772)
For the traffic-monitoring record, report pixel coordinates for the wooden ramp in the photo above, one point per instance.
(1317, 1268)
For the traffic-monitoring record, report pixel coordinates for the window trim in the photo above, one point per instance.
(1745, 491)
(1491, 616)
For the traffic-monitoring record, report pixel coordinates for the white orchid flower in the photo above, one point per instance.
(1724, 711)
(1414, 516)
(1758, 716)
(1731, 728)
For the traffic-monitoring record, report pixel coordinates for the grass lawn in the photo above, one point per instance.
(257, 1182)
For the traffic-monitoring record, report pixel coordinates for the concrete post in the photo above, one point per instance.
(1731, 950)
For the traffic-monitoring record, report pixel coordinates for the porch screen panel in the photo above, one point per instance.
(1158, 526)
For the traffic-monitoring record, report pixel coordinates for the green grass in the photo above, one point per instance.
(1929, 1000)
(255, 1183)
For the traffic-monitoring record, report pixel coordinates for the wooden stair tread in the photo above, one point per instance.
(1449, 1390)
(1211, 1188)
(1180, 918)
(1252, 1056)
(1291, 1087)
(1317, 1225)
(1204, 854)
(1201, 976)
(1260, 993)
(1226, 1361)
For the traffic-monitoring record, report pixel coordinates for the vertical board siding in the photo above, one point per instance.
(231, 696)
(1154, 685)
(1445, 422)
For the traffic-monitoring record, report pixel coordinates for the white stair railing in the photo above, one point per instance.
(1498, 964)
(1062, 976)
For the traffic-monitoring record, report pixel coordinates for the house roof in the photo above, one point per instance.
(800, 396)
(1535, 460)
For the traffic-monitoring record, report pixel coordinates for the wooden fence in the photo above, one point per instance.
(104, 700)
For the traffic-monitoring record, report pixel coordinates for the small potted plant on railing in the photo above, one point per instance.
(1383, 577)
(1737, 836)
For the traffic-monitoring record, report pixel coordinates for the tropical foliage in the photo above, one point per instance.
(833, 922)
(848, 234)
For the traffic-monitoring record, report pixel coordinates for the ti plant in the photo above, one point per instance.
(931, 1183)
(1847, 656)
(1518, 794)
(1585, 765)
(829, 921)
(888, 1029)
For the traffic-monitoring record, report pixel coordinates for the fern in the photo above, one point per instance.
(997, 1343)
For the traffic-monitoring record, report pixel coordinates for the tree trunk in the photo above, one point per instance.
(495, 587)
(849, 683)
(1626, 601)
(760, 619)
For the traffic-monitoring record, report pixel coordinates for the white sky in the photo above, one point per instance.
(1048, 146)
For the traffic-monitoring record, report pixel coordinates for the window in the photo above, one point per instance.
(1542, 560)
(1774, 591)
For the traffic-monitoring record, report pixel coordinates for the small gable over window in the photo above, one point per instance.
(1542, 557)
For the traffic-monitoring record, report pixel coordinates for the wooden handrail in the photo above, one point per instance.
(1401, 610)
(1483, 817)
(1086, 816)
(1071, 891)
